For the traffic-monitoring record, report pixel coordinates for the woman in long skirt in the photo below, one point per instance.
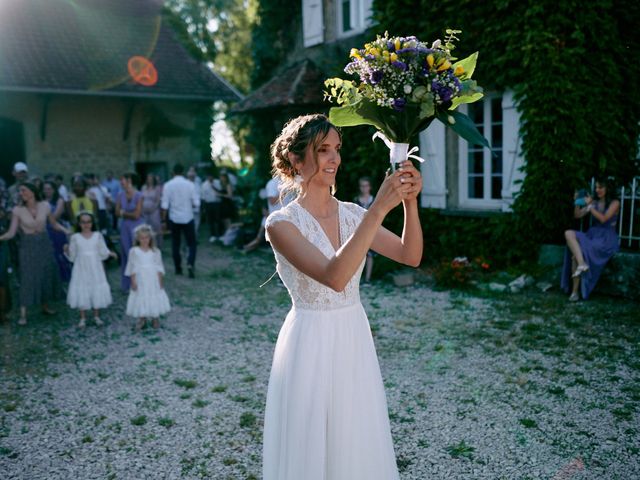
(39, 280)
(129, 211)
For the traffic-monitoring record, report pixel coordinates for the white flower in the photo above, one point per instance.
(436, 44)
(407, 89)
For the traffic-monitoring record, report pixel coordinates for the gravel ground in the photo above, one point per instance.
(479, 386)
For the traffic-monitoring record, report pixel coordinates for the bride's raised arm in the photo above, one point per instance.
(335, 272)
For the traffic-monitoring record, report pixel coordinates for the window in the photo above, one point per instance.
(353, 16)
(481, 169)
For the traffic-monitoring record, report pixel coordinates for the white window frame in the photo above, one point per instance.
(486, 203)
(360, 11)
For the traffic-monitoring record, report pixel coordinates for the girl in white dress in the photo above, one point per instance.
(326, 414)
(88, 288)
(147, 298)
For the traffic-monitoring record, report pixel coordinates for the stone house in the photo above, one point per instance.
(93, 86)
(458, 178)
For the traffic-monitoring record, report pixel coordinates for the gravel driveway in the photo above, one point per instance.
(479, 386)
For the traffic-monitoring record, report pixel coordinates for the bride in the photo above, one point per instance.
(326, 414)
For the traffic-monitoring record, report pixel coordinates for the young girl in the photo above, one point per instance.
(147, 298)
(88, 288)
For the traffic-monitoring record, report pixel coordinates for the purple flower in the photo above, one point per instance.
(399, 65)
(407, 50)
(369, 57)
(399, 104)
(376, 77)
(391, 46)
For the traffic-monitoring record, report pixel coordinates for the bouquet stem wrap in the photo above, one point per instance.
(398, 152)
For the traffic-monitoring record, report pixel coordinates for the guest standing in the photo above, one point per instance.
(129, 211)
(5, 292)
(103, 199)
(588, 253)
(192, 176)
(80, 201)
(39, 280)
(178, 201)
(88, 288)
(58, 239)
(147, 298)
(211, 199)
(365, 200)
(228, 210)
(151, 199)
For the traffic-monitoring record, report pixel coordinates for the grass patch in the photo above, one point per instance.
(461, 449)
(187, 384)
(199, 403)
(87, 439)
(166, 422)
(528, 423)
(247, 420)
(139, 420)
(219, 389)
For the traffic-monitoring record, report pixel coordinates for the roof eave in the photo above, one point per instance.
(116, 94)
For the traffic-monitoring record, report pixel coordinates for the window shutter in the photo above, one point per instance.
(312, 23)
(367, 11)
(512, 160)
(432, 149)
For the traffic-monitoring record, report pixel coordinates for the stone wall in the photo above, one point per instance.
(86, 133)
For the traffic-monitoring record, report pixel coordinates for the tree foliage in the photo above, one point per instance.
(217, 32)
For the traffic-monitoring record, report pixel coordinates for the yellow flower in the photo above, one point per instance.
(354, 53)
(458, 71)
(444, 66)
(430, 60)
(393, 57)
(397, 44)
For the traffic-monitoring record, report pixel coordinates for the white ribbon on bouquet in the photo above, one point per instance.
(398, 152)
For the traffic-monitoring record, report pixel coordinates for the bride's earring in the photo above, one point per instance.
(297, 179)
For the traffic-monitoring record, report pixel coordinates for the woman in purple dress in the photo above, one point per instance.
(129, 211)
(589, 252)
(58, 239)
(151, 197)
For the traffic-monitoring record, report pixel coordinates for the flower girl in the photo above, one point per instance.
(88, 288)
(147, 298)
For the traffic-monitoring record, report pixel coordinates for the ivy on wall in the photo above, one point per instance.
(574, 70)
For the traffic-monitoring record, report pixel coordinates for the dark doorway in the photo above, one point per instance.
(156, 168)
(11, 147)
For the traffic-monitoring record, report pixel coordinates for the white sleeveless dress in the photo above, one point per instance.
(326, 415)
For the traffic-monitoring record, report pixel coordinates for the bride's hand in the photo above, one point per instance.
(411, 179)
(390, 193)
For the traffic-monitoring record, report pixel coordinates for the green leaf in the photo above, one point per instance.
(464, 127)
(474, 97)
(469, 65)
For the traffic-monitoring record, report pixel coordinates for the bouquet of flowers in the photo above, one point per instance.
(404, 85)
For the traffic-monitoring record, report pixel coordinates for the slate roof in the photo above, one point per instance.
(83, 47)
(299, 84)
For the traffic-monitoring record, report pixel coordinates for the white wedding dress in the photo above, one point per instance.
(326, 415)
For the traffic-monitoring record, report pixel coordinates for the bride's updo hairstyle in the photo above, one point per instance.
(297, 135)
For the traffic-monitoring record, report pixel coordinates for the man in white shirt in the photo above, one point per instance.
(179, 199)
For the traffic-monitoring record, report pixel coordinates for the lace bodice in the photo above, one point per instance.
(306, 292)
